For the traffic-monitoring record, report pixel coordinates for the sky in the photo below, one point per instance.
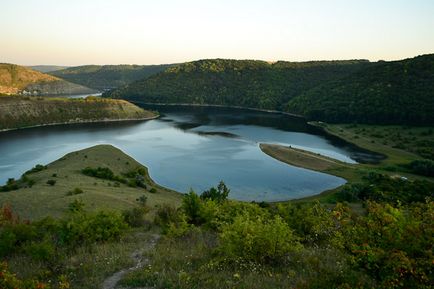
(78, 32)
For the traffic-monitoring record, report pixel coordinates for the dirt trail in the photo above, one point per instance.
(112, 281)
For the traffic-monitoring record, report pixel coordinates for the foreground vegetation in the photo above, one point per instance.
(26, 111)
(211, 242)
(396, 92)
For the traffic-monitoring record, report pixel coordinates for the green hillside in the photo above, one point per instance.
(398, 92)
(107, 76)
(248, 83)
(16, 79)
(42, 199)
(24, 111)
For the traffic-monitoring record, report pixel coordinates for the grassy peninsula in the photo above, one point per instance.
(25, 111)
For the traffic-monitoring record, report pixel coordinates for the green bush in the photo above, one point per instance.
(51, 182)
(218, 194)
(135, 216)
(36, 169)
(90, 228)
(422, 167)
(75, 191)
(257, 239)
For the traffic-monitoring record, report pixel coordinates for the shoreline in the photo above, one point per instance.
(219, 105)
(82, 122)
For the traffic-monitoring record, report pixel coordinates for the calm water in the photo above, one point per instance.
(192, 148)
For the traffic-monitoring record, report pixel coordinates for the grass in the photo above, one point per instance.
(399, 144)
(192, 262)
(88, 264)
(311, 161)
(43, 200)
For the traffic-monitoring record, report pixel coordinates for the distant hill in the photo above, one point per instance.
(47, 68)
(397, 92)
(248, 83)
(15, 79)
(25, 111)
(108, 76)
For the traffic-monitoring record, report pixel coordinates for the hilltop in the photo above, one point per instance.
(396, 92)
(107, 76)
(25, 111)
(47, 68)
(15, 79)
(247, 83)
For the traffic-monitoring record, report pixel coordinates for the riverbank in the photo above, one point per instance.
(312, 161)
(219, 105)
(18, 112)
(84, 122)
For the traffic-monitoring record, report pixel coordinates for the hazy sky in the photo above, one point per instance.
(75, 32)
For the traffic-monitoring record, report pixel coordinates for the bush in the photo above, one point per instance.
(422, 167)
(74, 192)
(257, 239)
(135, 216)
(191, 204)
(51, 182)
(218, 194)
(102, 173)
(36, 169)
(153, 190)
(142, 200)
(90, 228)
(165, 215)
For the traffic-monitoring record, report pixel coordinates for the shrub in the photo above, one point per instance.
(257, 239)
(191, 204)
(218, 194)
(142, 200)
(51, 182)
(8, 280)
(89, 228)
(166, 214)
(75, 191)
(102, 173)
(36, 169)
(153, 190)
(76, 206)
(135, 216)
(422, 167)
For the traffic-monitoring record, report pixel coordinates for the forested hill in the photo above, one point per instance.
(246, 83)
(16, 79)
(107, 76)
(399, 92)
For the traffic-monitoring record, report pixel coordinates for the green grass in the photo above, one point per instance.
(87, 264)
(311, 161)
(399, 144)
(43, 199)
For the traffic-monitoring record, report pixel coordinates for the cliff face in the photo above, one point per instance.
(15, 79)
(25, 111)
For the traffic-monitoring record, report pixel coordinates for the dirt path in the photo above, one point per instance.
(112, 281)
